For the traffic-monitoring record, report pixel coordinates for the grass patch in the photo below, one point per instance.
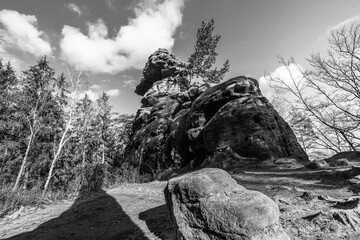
(10, 200)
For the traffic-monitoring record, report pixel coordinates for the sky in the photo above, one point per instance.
(110, 40)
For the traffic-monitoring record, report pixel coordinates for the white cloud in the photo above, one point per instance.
(290, 75)
(95, 92)
(113, 92)
(20, 31)
(91, 94)
(152, 27)
(14, 61)
(95, 87)
(344, 23)
(347, 22)
(75, 8)
(130, 83)
(105, 80)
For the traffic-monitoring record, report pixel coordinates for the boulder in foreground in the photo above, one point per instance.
(209, 204)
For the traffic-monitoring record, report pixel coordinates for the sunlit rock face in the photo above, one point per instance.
(209, 204)
(180, 125)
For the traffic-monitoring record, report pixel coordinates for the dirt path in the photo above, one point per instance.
(135, 211)
(138, 211)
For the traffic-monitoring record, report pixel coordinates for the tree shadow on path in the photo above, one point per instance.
(97, 217)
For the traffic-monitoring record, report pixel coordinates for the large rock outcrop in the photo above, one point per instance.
(180, 125)
(209, 204)
(235, 114)
(160, 65)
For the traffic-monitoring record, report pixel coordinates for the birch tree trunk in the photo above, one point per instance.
(58, 152)
(23, 163)
(75, 79)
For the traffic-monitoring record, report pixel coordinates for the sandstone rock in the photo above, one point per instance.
(226, 158)
(161, 64)
(180, 125)
(318, 164)
(235, 114)
(355, 180)
(165, 87)
(230, 125)
(342, 162)
(288, 163)
(351, 156)
(151, 128)
(209, 204)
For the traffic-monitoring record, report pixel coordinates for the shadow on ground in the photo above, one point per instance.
(94, 215)
(158, 221)
(101, 217)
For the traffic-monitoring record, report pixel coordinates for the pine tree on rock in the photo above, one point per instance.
(202, 60)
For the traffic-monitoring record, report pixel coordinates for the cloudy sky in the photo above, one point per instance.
(110, 40)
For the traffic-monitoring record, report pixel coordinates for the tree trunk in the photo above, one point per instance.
(50, 171)
(26, 178)
(103, 154)
(56, 156)
(23, 163)
(83, 158)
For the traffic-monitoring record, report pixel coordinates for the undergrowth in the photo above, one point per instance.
(13, 200)
(93, 178)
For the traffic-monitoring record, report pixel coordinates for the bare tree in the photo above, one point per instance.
(330, 91)
(75, 78)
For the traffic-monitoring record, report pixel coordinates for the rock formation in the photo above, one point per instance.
(209, 204)
(181, 125)
(160, 65)
(344, 159)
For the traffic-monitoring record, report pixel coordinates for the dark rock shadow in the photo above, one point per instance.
(158, 221)
(94, 215)
(355, 188)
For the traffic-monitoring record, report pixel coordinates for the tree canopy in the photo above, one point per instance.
(204, 56)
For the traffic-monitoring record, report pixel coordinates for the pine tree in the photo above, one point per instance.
(103, 120)
(121, 129)
(202, 60)
(67, 98)
(34, 103)
(10, 126)
(83, 130)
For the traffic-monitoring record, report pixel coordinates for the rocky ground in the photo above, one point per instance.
(314, 204)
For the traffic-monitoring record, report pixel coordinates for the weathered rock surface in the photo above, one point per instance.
(161, 64)
(227, 125)
(318, 164)
(321, 217)
(163, 88)
(344, 158)
(209, 204)
(235, 114)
